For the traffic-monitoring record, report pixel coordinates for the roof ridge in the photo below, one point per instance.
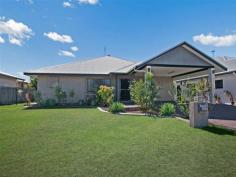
(133, 63)
(80, 61)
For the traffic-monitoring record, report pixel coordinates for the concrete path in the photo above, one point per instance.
(228, 124)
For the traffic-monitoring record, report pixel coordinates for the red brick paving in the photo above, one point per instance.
(229, 124)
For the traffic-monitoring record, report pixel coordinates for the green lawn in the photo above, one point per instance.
(86, 142)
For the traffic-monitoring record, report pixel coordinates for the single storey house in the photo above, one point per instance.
(8, 80)
(84, 77)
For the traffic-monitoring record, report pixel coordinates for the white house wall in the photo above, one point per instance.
(7, 81)
(229, 83)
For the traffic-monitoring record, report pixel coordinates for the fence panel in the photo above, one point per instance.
(10, 95)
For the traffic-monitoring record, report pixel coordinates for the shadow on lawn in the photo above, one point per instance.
(219, 130)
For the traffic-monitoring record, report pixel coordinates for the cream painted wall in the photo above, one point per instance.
(165, 85)
(79, 85)
(7, 81)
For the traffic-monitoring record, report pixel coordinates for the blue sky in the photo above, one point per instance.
(38, 33)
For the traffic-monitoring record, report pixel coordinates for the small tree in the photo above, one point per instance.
(229, 96)
(60, 94)
(105, 95)
(145, 93)
(188, 91)
(183, 106)
(71, 95)
(33, 82)
(173, 91)
(137, 92)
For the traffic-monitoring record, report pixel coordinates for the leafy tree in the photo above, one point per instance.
(60, 94)
(34, 82)
(145, 93)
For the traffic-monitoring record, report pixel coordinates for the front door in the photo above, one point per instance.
(124, 90)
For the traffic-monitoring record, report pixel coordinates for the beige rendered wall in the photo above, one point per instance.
(77, 83)
(165, 85)
(163, 82)
(7, 81)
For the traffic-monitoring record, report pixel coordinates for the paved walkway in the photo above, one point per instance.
(228, 124)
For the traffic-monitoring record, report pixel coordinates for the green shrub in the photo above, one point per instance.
(60, 94)
(105, 95)
(38, 97)
(48, 103)
(183, 106)
(167, 109)
(117, 107)
(72, 95)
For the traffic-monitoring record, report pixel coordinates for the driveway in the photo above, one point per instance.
(229, 124)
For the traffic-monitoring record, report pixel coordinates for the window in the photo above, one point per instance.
(219, 84)
(94, 84)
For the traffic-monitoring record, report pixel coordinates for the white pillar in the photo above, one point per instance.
(211, 81)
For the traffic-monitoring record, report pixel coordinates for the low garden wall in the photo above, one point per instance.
(222, 111)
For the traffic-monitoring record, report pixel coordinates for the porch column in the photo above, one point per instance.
(211, 81)
(116, 88)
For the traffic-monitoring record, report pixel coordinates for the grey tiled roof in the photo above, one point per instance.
(229, 62)
(102, 65)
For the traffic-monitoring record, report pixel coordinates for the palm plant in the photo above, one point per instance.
(230, 96)
(202, 88)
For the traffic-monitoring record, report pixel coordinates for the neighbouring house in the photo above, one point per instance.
(84, 77)
(22, 84)
(8, 80)
(224, 81)
(9, 87)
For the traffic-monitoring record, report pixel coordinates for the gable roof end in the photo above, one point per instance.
(179, 45)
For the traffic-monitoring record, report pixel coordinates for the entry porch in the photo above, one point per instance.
(180, 62)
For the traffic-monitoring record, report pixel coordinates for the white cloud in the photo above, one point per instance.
(74, 48)
(218, 41)
(17, 32)
(1, 40)
(59, 38)
(91, 2)
(67, 4)
(30, 1)
(26, 1)
(15, 41)
(66, 53)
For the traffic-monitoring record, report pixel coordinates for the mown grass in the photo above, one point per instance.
(89, 143)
